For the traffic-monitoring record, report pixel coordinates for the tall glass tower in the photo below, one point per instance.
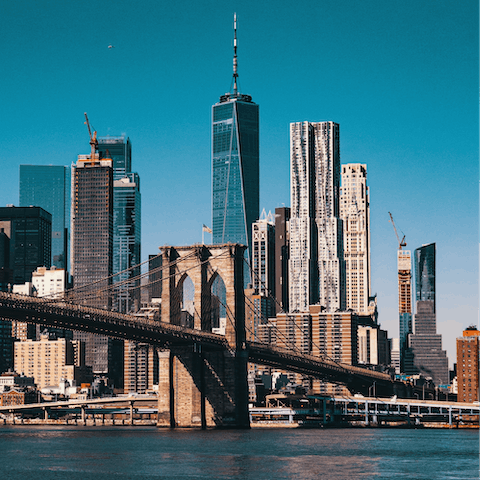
(427, 356)
(126, 221)
(126, 241)
(119, 149)
(48, 186)
(235, 165)
(425, 273)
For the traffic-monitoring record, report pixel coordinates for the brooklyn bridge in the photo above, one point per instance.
(203, 375)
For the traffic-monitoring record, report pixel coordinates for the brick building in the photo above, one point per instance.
(468, 352)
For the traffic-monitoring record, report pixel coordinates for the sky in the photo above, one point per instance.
(400, 77)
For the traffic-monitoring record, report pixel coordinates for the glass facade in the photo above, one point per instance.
(126, 241)
(425, 273)
(119, 149)
(425, 345)
(235, 169)
(29, 230)
(126, 220)
(405, 324)
(6, 346)
(48, 186)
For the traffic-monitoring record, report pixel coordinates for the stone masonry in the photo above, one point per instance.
(200, 388)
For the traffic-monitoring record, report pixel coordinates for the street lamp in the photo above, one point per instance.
(370, 389)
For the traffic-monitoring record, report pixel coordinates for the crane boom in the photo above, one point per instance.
(402, 242)
(93, 138)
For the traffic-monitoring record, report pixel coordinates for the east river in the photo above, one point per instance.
(63, 452)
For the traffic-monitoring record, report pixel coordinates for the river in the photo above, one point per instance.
(63, 452)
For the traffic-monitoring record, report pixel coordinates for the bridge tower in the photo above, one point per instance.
(198, 387)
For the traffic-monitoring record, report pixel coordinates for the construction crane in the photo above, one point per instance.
(402, 242)
(93, 139)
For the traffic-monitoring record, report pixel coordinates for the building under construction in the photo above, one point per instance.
(404, 263)
(404, 267)
(92, 253)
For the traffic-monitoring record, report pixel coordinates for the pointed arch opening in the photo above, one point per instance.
(218, 304)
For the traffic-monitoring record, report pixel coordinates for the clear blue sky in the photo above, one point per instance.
(400, 77)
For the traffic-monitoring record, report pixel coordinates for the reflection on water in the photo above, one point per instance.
(146, 452)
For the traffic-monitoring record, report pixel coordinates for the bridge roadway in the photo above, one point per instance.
(65, 315)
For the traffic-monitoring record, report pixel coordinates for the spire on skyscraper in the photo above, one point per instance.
(235, 165)
(235, 64)
(233, 92)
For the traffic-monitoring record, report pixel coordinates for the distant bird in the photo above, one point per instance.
(111, 46)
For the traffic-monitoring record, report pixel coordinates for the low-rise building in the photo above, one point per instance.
(16, 389)
(49, 282)
(18, 397)
(11, 380)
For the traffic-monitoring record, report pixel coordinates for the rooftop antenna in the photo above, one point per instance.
(235, 74)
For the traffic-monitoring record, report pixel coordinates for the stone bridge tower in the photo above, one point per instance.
(199, 388)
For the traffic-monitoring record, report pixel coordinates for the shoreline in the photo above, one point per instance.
(256, 425)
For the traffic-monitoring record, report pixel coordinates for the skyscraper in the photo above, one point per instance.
(29, 230)
(235, 165)
(126, 241)
(25, 244)
(155, 274)
(425, 344)
(355, 214)
(92, 228)
(282, 251)
(425, 274)
(404, 267)
(126, 221)
(263, 253)
(48, 186)
(92, 245)
(263, 269)
(316, 265)
(6, 346)
(6, 273)
(119, 150)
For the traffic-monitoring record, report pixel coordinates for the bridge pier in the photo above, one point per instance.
(198, 387)
(131, 413)
(202, 390)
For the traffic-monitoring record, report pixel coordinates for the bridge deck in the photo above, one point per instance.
(66, 315)
(62, 314)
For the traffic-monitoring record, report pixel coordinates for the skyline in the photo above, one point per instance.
(401, 82)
